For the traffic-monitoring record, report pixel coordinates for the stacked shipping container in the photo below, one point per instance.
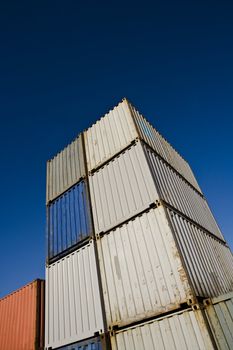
(132, 244)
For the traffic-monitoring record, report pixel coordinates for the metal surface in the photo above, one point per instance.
(122, 188)
(175, 191)
(181, 331)
(162, 147)
(73, 306)
(90, 344)
(65, 169)
(109, 135)
(208, 261)
(219, 312)
(69, 220)
(141, 271)
(21, 318)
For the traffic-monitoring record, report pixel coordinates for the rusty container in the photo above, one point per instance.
(22, 318)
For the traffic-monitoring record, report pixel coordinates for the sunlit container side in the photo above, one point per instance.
(65, 169)
(151, 136)
(73, 304)
(122, 188)
(209, 261)
(141, 271)
(22, 318)
(179, 194)
(219, 312)
(109, 135)
(180, 331)
(69, 220)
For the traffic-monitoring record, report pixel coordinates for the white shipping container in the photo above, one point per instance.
(180, 331)
(73, 305)
(65, 169)
(219, 312)
(208, 260)
(121, 188)
(141, 270)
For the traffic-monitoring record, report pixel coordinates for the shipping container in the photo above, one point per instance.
(179, 194)
(121, 189)
(73, 302)
(89, 344)
(22, 318)
(184, 330)
(219, 312)
(65, 169)
(69, 221)
(208, 260)
(141, 270)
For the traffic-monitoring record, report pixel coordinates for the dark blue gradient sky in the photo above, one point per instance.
(65, 63)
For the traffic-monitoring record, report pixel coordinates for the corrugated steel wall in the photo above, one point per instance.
(163, 148)
(141, 271)
(109, 135)
(209, 261)
(122, 188)
(182, 331)
(65, 169)
(21, 314)
(69, 220)
(219, 312)
(178, 193)
(73, 306)
(90, 344)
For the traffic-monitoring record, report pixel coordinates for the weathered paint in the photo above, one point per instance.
(69, 220)
(73, 305)
(89, 344)
(22, 318)
(219, 312)
(180, 331)
(65, 169)
(209, 261)
(141, 271)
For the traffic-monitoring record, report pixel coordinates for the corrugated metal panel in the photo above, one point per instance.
(90, 344)
(175, 191)
(122, 188)
(20, 317)
(180, 331)
(219, 312)
(65, 169)
(69, 220)
(163, 148)
(73, 306)
(209, 262)
(141, 271)
(109, 135)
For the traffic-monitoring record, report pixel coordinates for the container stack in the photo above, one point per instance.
(133, 248)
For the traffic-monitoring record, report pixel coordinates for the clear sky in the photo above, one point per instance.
(63, 64)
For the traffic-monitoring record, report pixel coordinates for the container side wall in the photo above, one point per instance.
(122, 188)
(209, 261)
(175, 191)
(142, 274)
(181, 331)
(90, 344)
(109, 135)
(65, 169)
(151, 136)
(220, 316)
(18, 319)
(69, 220)
(73, 306)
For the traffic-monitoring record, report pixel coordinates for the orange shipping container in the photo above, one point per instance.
(22, 318)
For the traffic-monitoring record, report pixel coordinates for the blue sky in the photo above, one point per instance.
(64, 64)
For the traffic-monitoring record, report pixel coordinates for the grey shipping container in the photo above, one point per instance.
(73, 303)
(65, 169)
(219, 312)
(69, 220)
(185, 330)
(141, 270)
(88, 344)
(118, 128)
